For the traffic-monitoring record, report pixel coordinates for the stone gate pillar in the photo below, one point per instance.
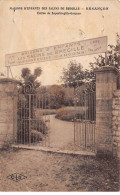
(8, 110)
(106, 83)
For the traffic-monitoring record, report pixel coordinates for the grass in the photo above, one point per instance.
(58, 172)
(68, 113)
(98, 174)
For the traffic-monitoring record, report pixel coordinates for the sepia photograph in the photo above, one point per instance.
(60, 96)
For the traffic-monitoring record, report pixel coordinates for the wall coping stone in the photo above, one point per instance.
(9, 80)
(106, 69)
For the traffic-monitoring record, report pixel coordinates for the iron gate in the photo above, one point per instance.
(33, 122)
(85, 121)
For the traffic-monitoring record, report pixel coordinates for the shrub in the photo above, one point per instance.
(6, 146)
(27, 122)
(35, 126)
(71, 113)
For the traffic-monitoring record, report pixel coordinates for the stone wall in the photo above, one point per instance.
(116, 123)
(8, 110)
(106, 83)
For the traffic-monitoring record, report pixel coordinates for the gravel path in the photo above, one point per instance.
(61, 133)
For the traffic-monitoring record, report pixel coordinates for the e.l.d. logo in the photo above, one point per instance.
(16, 177)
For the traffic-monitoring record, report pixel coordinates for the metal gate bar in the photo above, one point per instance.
(33, 122)
(85, 121)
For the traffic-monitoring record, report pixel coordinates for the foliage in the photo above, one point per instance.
(25, 125)
(54, 96)
(83, 105)
(74, 75)
(28, 77)
(6, 146)
(112, 56)
(26, 111)
(57, 96)
(112, 59)
(24, 132)
(70, 113)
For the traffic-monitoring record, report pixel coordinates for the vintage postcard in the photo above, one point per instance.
(59, 95)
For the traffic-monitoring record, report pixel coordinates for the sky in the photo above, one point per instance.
(22, 30)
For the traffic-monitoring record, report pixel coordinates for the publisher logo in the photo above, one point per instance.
(16, 177)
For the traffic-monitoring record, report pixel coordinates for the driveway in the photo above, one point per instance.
(61, 133)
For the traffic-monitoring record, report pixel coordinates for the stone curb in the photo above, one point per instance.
(54, 150)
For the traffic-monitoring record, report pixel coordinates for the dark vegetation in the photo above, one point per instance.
(70, 113)
(30, 128)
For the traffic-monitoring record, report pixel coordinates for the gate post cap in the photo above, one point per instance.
(106, 69)
(9, 80)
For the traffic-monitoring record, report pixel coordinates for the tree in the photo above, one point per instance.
(73, 76)
(26, 109)
(112, 59)
(55, 93)
(112, 56)
(57, 96)
(29, 78)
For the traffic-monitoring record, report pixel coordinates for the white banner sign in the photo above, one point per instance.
(68, 50)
